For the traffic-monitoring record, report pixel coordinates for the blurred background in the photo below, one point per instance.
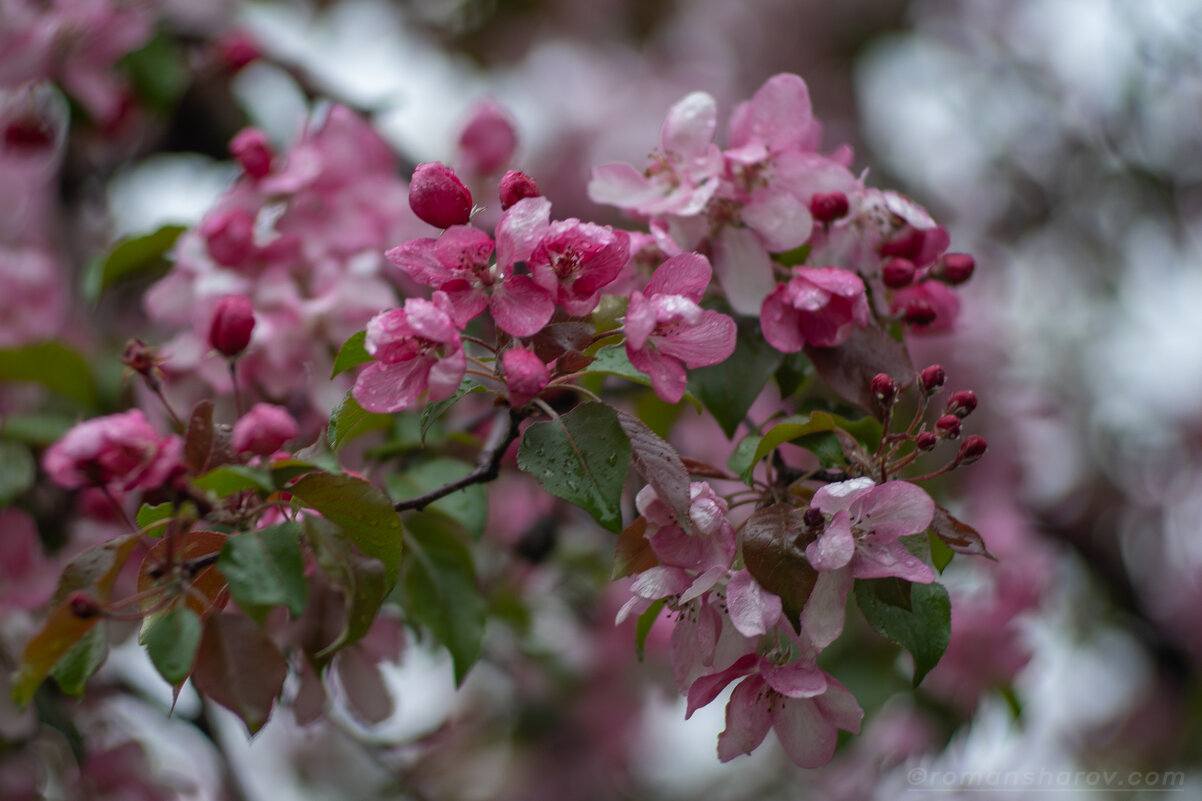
(1059, 141)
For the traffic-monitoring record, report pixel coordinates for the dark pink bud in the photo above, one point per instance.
(828, 207)
(957, 268)
(932, 378)
(230, 236)
(525, 375)
(926, 441)
(897, 273)
(236, 49)
(884, 389)
(29, 135)
(516, 186)
(919, 312)
(906, 245)
(263, 430)
(488, 140)
(438, 197)
(813, 518)
(948, 426)
(254, 152)
(961, 404)
(972, 449)
(83, 606)
(233, 321)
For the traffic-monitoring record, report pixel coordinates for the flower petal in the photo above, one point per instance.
(744, 268)
(747, 720)
(389, 388)
(832, 498)
(521, 307)
(797, 679)
(895, 509)
(835, 548)
(753, 610)
(688, 129)
(877, 559)
(826, 609)
(806, 735)
(710, 341)
(687, 274)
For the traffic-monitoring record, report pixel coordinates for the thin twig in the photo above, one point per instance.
(487, 466)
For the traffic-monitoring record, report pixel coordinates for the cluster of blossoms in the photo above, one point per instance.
(771, 192)
(287, 277)
(299, 236)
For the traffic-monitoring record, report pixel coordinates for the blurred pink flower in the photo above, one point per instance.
(120, 452)
(818, 306)
(263, 430)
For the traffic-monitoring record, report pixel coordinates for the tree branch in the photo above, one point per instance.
(504, 432)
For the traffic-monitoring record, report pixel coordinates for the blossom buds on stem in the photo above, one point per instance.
(438, 197)
(972, 449)
(897, 273)
(828, 207)
(962, 403)
(948, 426)
(83, 606)
(956, 268)
(232, 324)
(144, 360)
(932, 378)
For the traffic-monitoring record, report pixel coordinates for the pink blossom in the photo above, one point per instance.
(33, 302)
(525, 375)
(252, 149)
(488, 140)
(667, 331)
(419, 353)
(804, 704)
(264, 429)
(693, 554)
(819, 306)
(866, 521)
(575, 260)
(120, 452)
(438, 197)
(27, 577)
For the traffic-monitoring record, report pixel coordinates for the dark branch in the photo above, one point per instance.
(503, 433)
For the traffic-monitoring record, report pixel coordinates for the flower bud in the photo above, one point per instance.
(897, 273)
(438, 197)
(828, 207)
(907, 244)
(957, 268)
(961, 404)
(884, 389)
(229, 236)
(516, 186)
(233, 321)
(263, 430)
(253, 151)
(926, 441)
(932, 378)
(948, 426)
(141, 358)
(83, 606)
(525, 375)
(972, 449)
(813, 518)
(489, 140)
(919, 312)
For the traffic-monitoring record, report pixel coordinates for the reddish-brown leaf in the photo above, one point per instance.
(208, 582)
(659, 464)
(558, 338)
(850, 368)
(239, 667)
(706, 470)
(958, 535)
(206, 443)
(367, 695)
(776, 559)
(633, 554)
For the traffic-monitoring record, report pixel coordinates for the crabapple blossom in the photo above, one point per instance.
(818, 306)
(575, 260)
(866, 521)
(263, 430)
(419, 354)
(119, 452)
(667, 331)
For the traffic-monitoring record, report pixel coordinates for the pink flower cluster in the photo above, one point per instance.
(770, 192)
(119, 452)
(299, 235)
(728, 628)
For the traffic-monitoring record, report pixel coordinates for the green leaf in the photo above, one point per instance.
(362, 511)
(158, 73)
(39, 428)
(265, 568)
(794, 371)
(132, 257)
(352, 353)
(433, 412)
(149, 515)
(643, 627)
(85, 657)
(923, 631)
(172, 642)
(742, 459)
(581, 457)
(17, 471)
(440, 592)
(467, 506)
(53, 365)
(728, 389)
(231, 478)
(826, 445)
(941, 554)
(794, 257)
(350, 420)
(359, 579)
(285, 470)
(612, 360)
